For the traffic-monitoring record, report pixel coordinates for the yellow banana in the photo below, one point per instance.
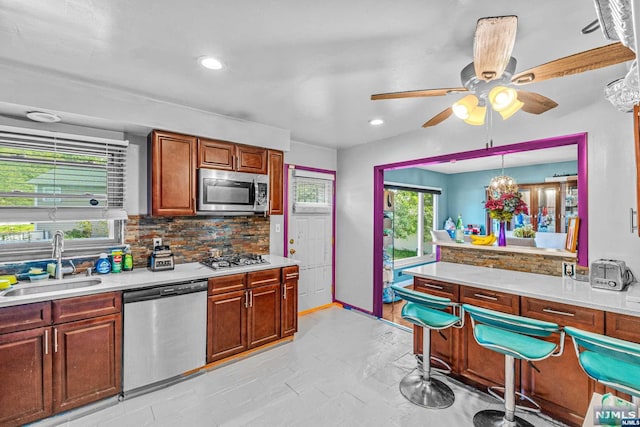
(483, 240)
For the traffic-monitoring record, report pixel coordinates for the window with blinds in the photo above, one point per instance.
(312, 192)
(55, 181)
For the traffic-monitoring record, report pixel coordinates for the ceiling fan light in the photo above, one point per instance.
(463, 108)
(502, 97)
(476, 118)
(511, 110)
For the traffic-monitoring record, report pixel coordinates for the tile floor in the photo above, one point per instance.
(342, 369)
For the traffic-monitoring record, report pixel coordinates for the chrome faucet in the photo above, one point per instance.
(58, 248)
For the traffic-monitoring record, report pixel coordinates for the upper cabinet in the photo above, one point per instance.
(276, 182)
(173, 174)
(215, 154)
(175, 161)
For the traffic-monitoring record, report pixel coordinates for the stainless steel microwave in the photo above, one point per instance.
(232, 193)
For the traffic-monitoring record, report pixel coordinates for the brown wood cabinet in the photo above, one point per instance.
(216, 154)
(623, 327)
(478, 365)
(289, 309)
(444, 343)
(570, 402)
(244, 312)
(51, 365)
(173, 174)
(25, 369)
(87, 359)
(276, 182)
(225, 155)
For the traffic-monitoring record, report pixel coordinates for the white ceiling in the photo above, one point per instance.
(304, 65)
(525, 158)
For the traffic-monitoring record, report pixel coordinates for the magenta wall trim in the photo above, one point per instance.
(579, 139)
(353, 307)
(333, 219)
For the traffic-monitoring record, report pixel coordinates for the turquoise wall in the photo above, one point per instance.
(464, 193)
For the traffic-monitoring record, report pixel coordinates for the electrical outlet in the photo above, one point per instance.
(277, 228)
(157, 241)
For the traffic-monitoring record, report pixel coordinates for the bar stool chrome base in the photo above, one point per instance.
(428, 393)
(494, 418)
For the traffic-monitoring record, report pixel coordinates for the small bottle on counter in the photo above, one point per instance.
(103, 265)
(116, 261)
(127, 259)
(459, 230)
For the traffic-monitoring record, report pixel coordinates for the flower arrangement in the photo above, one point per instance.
(506, 206)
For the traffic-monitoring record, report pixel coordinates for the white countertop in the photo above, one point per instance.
(550, 288)
(511, 248)
(138, 278)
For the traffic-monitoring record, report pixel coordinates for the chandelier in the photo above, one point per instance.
(502, 184)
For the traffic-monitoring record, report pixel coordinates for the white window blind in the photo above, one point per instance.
(312, 192)
(50, 176)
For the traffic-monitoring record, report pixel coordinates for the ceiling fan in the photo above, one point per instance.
(490, 78)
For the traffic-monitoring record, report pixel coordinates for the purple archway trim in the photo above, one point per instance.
(578, 139)
(333, 219)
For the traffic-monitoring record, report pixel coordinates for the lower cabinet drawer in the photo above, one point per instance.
(80, 308)
(23, 317)
(563, 314)
(493, 300)
(436, 287)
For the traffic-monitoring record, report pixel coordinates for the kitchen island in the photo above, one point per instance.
(557, 384)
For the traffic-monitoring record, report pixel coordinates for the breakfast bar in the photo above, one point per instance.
(557, 384)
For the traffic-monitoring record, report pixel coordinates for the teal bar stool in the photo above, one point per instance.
(516, 337)
(428, 312)
(610, 361)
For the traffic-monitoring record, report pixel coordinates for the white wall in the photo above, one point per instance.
(612, 183)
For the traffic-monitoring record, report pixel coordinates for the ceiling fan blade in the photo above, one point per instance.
(438, 118)
(418, 93)
(492, 45)
(534, 103)
(592, 59)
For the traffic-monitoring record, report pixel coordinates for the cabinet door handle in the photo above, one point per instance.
(284, 291)
(246, 299)
(562, 313)
(428, 285)
(261, 282)
(291, 276)
(46, 341)
(250, 298)
(489, 297)
(55, 340)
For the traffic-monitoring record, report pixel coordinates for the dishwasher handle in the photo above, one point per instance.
(164, 291)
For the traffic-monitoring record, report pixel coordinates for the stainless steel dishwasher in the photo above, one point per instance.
(165, 331)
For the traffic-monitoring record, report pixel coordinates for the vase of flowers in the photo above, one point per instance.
(503, 208)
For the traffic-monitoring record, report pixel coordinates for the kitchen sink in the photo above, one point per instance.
(59, 285)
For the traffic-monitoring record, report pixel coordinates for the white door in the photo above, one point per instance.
(310, 234)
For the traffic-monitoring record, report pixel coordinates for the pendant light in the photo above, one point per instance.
(502, 184)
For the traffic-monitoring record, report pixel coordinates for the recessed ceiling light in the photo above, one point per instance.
(44, 117)
(210, 63)
(376, 122)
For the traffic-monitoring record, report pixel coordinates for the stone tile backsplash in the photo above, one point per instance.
(190, 238)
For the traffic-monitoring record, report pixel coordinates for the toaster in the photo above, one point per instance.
(610, 274)
(161, 259)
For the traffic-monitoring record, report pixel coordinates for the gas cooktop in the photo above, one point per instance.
(231, 261)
